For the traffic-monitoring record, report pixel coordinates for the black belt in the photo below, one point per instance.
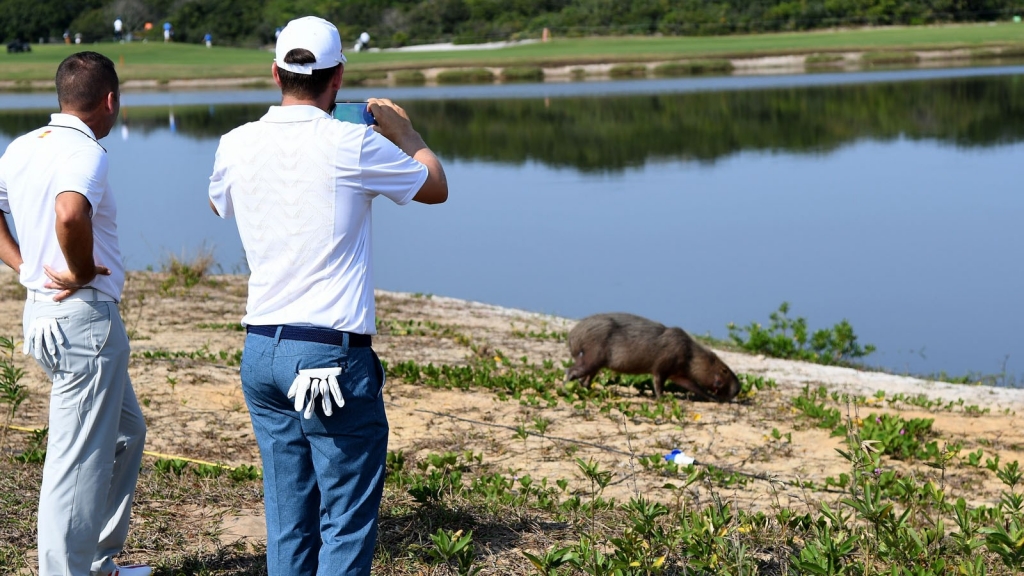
(313, 334)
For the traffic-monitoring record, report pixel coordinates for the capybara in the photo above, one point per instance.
(630, 344)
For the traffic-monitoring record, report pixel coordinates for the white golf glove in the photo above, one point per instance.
(44, 341)
(309, 384)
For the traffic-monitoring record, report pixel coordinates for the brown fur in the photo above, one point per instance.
(631, 344)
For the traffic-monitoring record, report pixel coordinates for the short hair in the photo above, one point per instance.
(304, 85)
(84, 79)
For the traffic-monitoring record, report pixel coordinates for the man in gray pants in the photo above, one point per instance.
(53, 183)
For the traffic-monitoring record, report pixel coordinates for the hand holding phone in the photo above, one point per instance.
(354, 112)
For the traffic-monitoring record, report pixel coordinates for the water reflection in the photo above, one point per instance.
(890, 204)
(613, 133)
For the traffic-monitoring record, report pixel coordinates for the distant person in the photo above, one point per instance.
(53, 182)
(208, 40)
(67, 37)
(363, 42)
(78, 37)
(300, 186)
(118, 28)
(167, 31)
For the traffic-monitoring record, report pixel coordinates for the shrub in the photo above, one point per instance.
(693, 68)
(358, 77)
(408, 77)
(788, 338)
(879, 58)
(628, 71)
(522, 74)
(824, 60)
(465, 76)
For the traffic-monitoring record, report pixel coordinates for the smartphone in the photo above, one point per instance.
(354, 112)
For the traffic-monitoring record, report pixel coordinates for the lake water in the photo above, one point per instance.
(891, 199)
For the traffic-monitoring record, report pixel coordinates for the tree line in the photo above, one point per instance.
(401, 22)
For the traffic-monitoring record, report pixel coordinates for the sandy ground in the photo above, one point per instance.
(195, 409)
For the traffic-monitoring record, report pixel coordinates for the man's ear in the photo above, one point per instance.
(336, 80)
(273, 72)
(111, 102)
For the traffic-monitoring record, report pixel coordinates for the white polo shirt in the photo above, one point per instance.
(299, 184)
(63, 156)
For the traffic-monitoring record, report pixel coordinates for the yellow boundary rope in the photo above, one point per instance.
(146, 452)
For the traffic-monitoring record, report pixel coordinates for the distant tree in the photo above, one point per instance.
(396, 22)
(31, 20)
(237, 21)
(133, 14)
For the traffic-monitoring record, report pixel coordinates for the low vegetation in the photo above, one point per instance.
(889, 57)
(907, 497)
(465, 76)
(409, 77)
(628, 71)
(522, 74)
(694, 68)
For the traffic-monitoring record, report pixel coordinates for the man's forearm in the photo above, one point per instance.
(74, 234)
(10, 252)
(435, 189)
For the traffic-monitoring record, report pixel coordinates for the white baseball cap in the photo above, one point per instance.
(314, 34)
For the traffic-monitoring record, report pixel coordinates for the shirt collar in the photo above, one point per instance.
(71, 121)
(294, 113)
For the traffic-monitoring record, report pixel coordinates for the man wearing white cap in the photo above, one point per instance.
(300, 185)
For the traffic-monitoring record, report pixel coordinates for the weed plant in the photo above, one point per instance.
(787, 337)
(221, 357)
(12, 392)
(186, 272)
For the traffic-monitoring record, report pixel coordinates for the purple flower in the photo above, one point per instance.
(878, 471)
(878, 420)
(902, 431)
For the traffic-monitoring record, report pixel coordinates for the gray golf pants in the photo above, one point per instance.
(95, 442)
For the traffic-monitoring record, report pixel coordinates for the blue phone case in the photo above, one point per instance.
(354, 112)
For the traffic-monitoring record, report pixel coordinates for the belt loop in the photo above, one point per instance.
(344, 340)
(277, 335)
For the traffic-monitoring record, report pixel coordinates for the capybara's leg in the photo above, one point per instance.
(582, 370)
(658, 382)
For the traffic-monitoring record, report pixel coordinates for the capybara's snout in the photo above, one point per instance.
(726, 385)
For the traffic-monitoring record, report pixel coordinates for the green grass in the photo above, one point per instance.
(159, 61)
